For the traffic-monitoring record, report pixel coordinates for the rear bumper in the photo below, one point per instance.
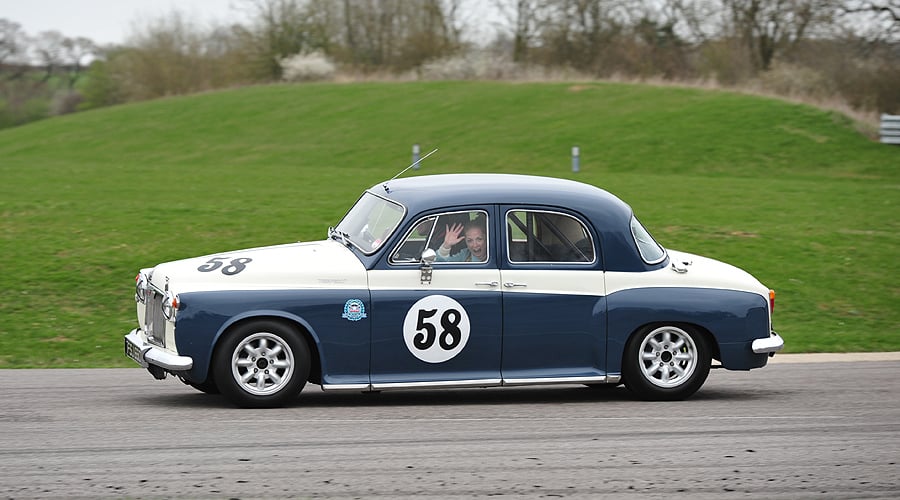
(146, 354)
(769, 345)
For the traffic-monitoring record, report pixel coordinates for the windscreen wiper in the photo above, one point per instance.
(339, 235)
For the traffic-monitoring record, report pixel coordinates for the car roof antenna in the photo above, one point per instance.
(414, 164)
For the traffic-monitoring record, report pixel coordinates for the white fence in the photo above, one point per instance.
(890, 129)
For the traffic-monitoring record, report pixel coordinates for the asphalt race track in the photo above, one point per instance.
(791, 430)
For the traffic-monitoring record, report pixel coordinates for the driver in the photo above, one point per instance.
(476, 243)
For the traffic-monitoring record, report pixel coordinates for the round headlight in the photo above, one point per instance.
(141, 285)
(169, 305)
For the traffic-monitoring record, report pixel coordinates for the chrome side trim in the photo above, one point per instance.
(448, 384)
(443, 384)
(602, 379)
(772, 343)
(346, 387)
(156, 356)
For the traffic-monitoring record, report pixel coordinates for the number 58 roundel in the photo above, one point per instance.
(436, 328)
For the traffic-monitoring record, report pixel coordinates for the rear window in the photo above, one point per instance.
(650, 250)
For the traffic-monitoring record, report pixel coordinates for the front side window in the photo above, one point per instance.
(649, 249)
(541, 236)
(370, 222)
(459, 237)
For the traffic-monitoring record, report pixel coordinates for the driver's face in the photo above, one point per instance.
(475, 243)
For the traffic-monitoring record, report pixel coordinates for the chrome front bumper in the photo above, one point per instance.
(769, 345)
(146, 354)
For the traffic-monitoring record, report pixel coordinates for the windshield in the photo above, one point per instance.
(370, 222)
(650, 250)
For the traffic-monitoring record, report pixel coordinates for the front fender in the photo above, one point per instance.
(343, 345)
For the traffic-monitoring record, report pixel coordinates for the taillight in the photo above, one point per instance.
(771, 301)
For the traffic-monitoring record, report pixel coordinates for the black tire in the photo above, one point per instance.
(261, 364)
(207, 387)
(666, 363)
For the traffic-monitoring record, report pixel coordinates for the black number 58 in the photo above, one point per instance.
(450, 334)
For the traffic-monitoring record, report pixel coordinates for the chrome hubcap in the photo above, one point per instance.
(262, 364)
(668, 357)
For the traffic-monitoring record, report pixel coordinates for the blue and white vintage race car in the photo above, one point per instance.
(463, 280)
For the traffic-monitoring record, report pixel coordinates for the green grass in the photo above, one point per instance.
(788, 192)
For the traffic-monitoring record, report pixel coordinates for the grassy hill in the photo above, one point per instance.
(790, 193)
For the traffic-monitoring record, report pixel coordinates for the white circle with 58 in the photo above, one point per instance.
(436, 328)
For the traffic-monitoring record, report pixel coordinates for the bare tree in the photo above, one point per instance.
(888, 8)
(522, 21)
(51, 51)
(872, 19)
(657, 40)
(370, 30)
(397, 34)
(170, 55)
(582, 31)
(14, 45)
(59, 55)
(430, 31)
(38, 74)
(76, 55)
(276, 31)
(768, 27)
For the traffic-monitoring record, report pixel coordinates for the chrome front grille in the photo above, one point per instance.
(154, 321)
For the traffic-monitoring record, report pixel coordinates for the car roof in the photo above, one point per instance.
(609, 216)
(447, 190)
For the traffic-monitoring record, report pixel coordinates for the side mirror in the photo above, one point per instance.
(428, 257)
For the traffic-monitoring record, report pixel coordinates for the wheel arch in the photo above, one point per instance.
(616, 344)
(297, 323)
(702, 330)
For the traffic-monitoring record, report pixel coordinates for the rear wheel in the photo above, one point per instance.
(664, 363)
(262, 364)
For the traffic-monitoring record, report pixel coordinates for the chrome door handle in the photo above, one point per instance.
(486, 283)
(510, 284)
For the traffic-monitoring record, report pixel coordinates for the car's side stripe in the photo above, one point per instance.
(566, 282)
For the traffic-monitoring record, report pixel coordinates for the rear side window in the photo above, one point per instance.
(650, 250)
(541, 236)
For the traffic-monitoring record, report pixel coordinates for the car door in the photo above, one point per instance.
(554, 304)
(440, 325)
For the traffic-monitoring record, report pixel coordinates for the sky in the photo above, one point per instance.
(112, 21)
(108, 21)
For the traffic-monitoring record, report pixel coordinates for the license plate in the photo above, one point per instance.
(134, 352)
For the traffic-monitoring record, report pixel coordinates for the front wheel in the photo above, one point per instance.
(262, 364)
(207, 387)
(665, 363)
